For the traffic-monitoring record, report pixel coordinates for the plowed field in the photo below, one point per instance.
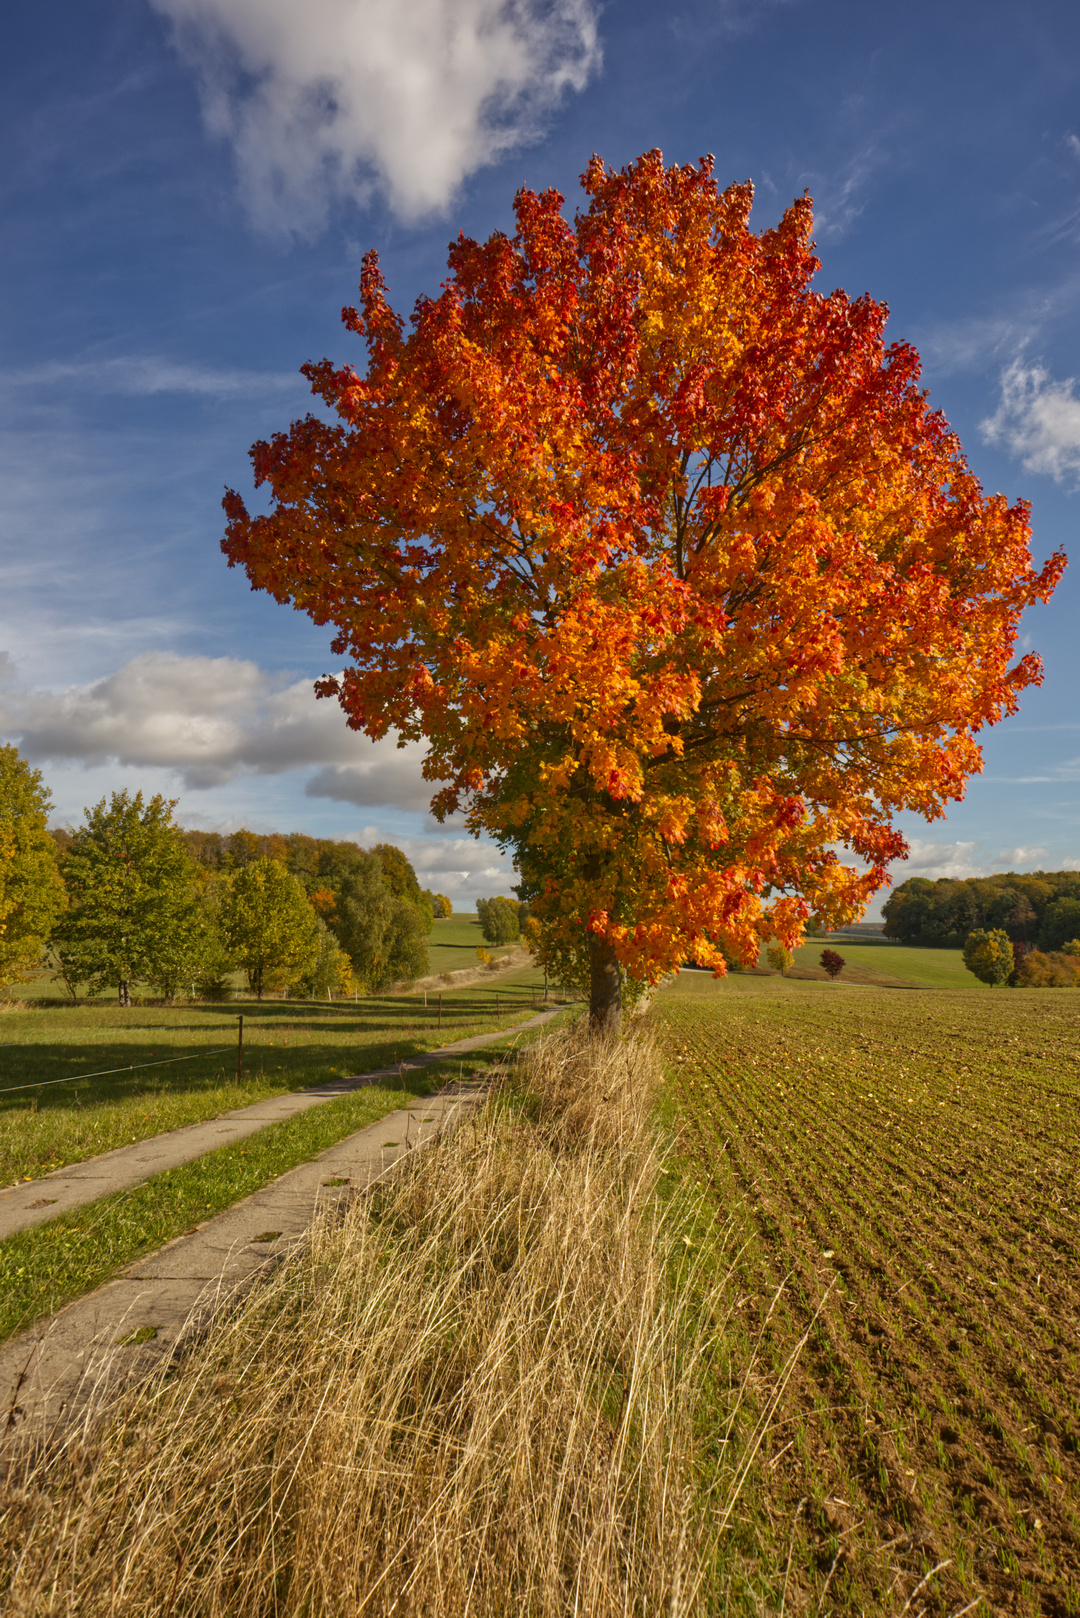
(904, 1167)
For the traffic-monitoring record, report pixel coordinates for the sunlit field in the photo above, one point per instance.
(903, 1167)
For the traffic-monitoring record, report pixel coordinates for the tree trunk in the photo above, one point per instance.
(605, 987)
(123, 992)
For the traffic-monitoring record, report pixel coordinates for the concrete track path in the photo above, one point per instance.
(35, 1202)
(63, 1373)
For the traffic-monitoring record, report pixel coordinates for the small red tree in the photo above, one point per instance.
(832, 962)
(665, 556)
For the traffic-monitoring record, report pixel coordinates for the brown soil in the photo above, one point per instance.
(912, 1187)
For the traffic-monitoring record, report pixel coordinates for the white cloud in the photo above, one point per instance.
(335, 100)
(209, 719)
(839, 200)
(454, 866)
(1011, 859)
(934, 860)
(973, 342)
(148, 374)
(1038, 421)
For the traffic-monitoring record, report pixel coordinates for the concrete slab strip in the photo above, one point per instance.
(64, 1371)
(35, 1202)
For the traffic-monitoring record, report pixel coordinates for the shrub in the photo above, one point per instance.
(1059, 969)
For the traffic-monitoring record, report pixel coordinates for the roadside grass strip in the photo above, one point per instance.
(497, 1385)
(288, 1045)
(44, 1268)
(902, 1170)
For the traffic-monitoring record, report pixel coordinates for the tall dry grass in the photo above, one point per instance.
(478, 1394)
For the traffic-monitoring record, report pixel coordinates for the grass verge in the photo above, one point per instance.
(497, 1387)
(46, 1267)
(288, 1045)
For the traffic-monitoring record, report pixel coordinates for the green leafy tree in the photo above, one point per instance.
(1060, 923)
(268, 925)
(331, 971)
(384, 934)
(31, 890)
(133, 914)
(403, 880)
(989, 955)
(499, 920)
(780, 959)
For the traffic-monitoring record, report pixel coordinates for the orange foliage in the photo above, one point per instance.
(665, 555)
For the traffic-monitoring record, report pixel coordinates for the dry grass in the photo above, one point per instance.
(480, 1394)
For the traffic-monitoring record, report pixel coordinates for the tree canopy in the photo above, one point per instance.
(667, 558)
(31, 891)
(268, 924)
(132, 908)
(1029, 906)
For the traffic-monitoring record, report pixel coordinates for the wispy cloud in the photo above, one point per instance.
(840, 198)
(1038, 422)
(147, 374)
(339, 100)
(973, 343)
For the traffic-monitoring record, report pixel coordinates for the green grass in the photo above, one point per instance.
(453, 944)
(44, 1268)
(288, 1045)
(883, 965)
(929, 968)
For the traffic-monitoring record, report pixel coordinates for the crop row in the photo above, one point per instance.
(908, 1179)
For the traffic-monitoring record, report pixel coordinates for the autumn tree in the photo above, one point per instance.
(133, 912)
(31, 891)
(666, 557)
(268, 925)
(989, 955)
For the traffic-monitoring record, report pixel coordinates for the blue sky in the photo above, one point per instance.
(188, 187)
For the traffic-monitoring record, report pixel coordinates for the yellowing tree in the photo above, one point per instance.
(31, 890)
(268, 925)
(666, 557)
(989, 955)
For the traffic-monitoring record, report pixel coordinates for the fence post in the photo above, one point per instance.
(440, 1011)
(240, 1050)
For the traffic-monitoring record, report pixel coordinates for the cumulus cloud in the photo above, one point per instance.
(1012, 859)
(383, 779)
(210, 719)
(1038, 421)
(337, 100)
(934, 860)
(453, 865)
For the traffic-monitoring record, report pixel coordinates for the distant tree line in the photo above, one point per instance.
(1039, 909)
(131, 897)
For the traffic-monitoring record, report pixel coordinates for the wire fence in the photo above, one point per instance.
(106, 1072)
